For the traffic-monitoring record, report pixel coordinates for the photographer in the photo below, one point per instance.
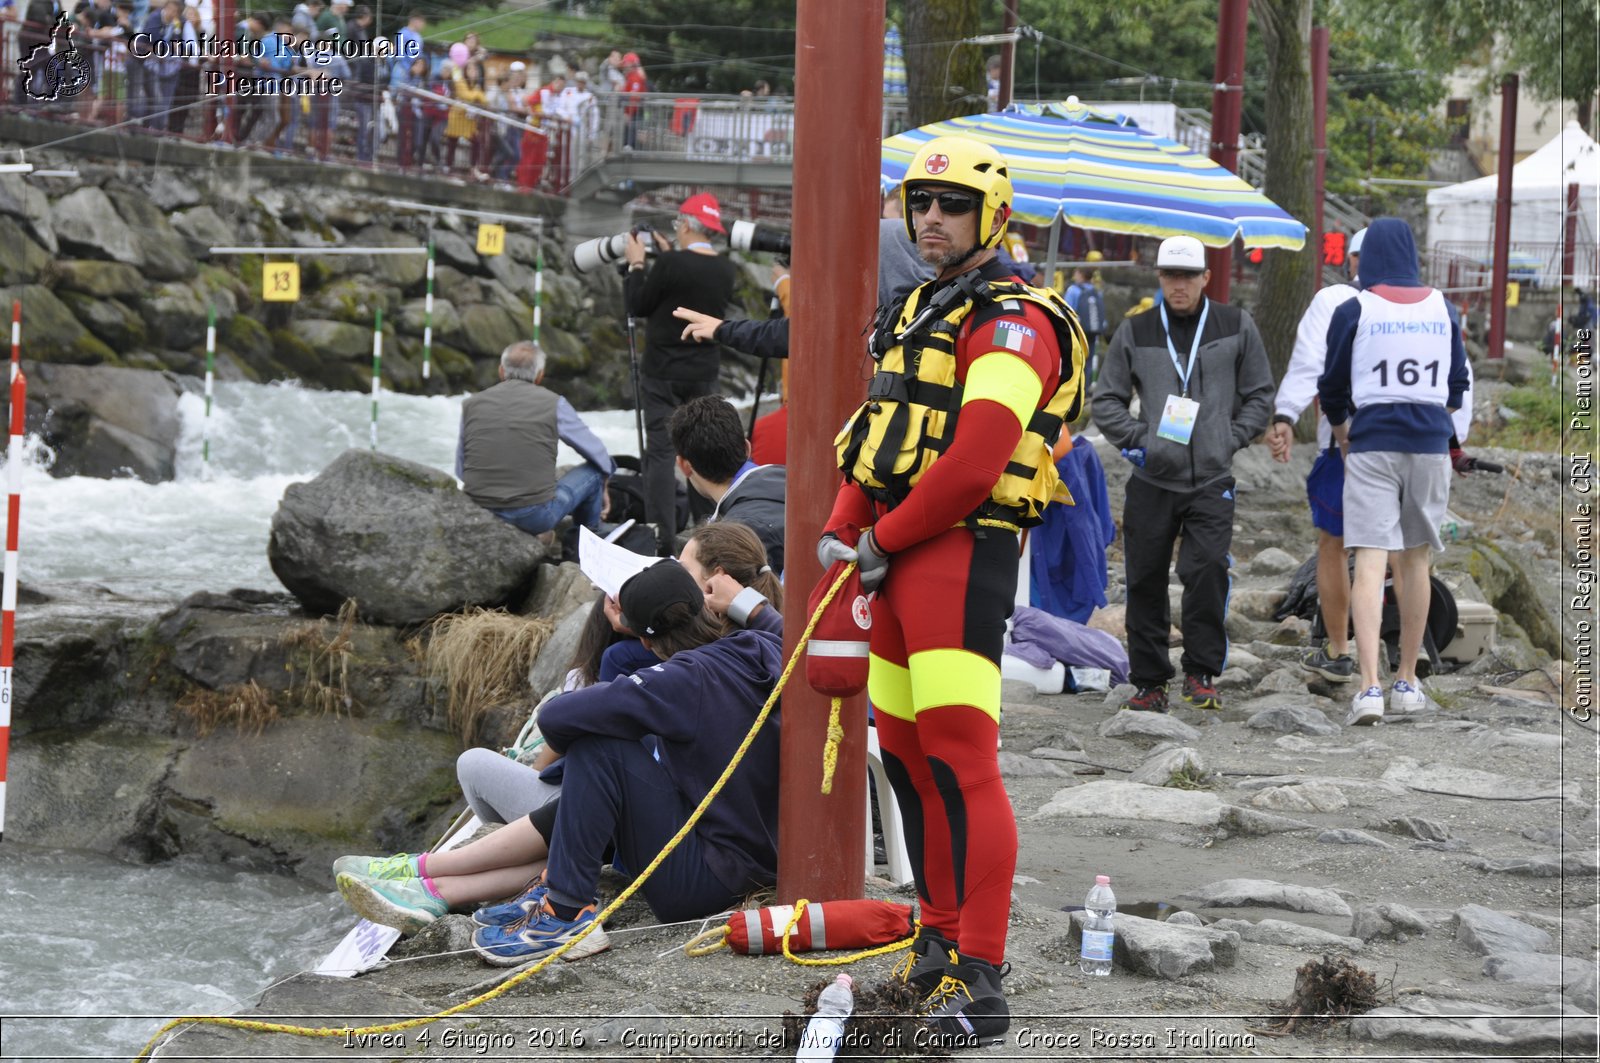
(673, 371)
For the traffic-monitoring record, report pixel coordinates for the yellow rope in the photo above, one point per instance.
(622, 898)
(696, 946)
(830, 752)
(882, 950)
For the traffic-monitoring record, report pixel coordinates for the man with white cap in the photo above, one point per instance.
(1200, 372)
(1325, 486)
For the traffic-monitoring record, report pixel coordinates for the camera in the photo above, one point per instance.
(753, 236)
(604, 250)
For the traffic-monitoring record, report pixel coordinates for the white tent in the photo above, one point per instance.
(1461, 217)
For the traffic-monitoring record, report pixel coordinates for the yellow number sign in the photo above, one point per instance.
(491, 239)
(280, 282)
(1513, 293)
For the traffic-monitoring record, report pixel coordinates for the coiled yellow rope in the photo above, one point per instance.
(830, 752)
(622, 898)
(882, 950)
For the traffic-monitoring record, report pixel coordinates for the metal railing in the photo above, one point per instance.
(1468, 266)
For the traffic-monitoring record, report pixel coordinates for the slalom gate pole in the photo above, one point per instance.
(427, 318)
(538, 289)
(16, 337)
(377, 370)
(211, 373)
(8, 617)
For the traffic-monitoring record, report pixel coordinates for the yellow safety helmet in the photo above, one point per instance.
(965, 163)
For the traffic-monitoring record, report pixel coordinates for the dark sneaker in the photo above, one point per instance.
(923, 964)
(540, 934)
(512, 911)
(1340, 669)
(1148, 699)
(968, 1006)
(1201, 692)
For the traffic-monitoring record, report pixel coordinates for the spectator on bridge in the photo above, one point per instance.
(506, 453)
(98, 28)
(332, 24)
(305, 18)
(611, 75)
(360, 30)
(252, 108)
(636, 84)
(325, 108)
(434, 116)
(466, 85)
(186, 87)
(408, 43)
(161, 72)
(279, 60)
(408, 109)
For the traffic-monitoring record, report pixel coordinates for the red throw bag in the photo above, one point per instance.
(836, 656)
(832, 925)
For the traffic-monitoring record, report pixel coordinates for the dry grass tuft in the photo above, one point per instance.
(324, 682)
(1325, 990)
(247, 706)
(482, 657)
(887, 1022)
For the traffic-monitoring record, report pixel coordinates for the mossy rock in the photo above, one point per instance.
(487, 330)
(246, 337)
(411, 318)
(1512, 591)
(354, 300)
(24, 261)
(405, 272)
(175, 315)
(222, 289)
(401, 372)
(52, 332)
(105, 280)
(455, 365)
(145, 360)
(452, 284)
(109, 319)
(297, 356)
(567, 354)
(166, 252)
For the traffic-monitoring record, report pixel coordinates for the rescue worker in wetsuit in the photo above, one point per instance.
(946, 461)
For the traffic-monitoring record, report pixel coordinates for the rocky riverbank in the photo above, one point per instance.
(1450, 853)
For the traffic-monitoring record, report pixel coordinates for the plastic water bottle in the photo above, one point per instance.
(825, 1031)
(1094, 956)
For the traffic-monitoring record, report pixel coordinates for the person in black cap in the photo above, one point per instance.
(641, 752)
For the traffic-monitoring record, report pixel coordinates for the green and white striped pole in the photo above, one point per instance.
(427, 317)
(377, 370)
(211, 366)
(538, 289)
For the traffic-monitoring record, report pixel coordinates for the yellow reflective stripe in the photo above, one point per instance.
(955, 677)
(1006, 379)
(889, 687)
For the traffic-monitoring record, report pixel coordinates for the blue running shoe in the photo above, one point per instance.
(541, 934)
(513, 911)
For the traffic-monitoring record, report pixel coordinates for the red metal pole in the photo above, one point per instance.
(1008, 57)
(1227, 101)
(8, 617)
(226, 29)
(1319, 132)
(1569, 243)
(838, 107)
(1502, 217)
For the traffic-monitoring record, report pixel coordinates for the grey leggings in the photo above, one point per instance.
(498, 788)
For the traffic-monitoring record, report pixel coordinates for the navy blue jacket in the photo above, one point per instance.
(698, 705)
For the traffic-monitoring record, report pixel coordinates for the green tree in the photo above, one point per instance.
(709, 45)
(944, 78)
(1287, 280)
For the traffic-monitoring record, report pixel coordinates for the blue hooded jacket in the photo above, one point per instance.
(1389, 265)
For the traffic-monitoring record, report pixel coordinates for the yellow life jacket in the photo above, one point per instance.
(914, 401)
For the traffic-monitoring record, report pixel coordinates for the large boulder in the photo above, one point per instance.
(166, 253)
(397, 537)
(109, 319)
(106, 421)
(339, 340)
(24, 261)
(86, 223)
(50, 332)
(103, 280)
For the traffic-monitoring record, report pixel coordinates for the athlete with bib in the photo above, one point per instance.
(947, 460)
(1396, 371)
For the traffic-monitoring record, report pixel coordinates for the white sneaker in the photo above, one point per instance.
(1366, 708)
(1403, 698)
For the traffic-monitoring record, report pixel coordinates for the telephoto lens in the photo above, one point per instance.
(753, 236)
(605, 250)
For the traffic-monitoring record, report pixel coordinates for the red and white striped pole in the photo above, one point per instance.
(16, 337)
(8, 617)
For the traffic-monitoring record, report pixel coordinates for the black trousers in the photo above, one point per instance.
(1152, 519)
(661, 398)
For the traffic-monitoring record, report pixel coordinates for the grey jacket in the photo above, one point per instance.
(1232, 382)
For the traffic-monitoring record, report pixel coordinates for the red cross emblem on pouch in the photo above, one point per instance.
(938, 163)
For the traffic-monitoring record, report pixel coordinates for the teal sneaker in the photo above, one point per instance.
(404, 904)
(540, 934)
(378, 868)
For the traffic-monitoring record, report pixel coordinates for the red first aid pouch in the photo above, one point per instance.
(836, 656)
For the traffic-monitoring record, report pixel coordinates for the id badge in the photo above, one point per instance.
(1177, 420)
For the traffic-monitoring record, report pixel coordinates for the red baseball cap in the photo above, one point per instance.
(632, 58)
(702, 206)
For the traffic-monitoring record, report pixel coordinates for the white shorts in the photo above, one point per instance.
(1395, 501)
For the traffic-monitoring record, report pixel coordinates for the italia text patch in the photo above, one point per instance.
(1014, 336)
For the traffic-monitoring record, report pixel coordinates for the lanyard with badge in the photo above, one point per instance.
(1177, 419)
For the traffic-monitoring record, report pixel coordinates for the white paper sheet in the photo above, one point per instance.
(608, 566)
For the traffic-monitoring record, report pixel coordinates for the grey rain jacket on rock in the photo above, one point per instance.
(1231, 381)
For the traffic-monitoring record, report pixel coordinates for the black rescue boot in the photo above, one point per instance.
(924, 963)
(968, 1007)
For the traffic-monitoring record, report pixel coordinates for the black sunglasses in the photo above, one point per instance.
(918, 200)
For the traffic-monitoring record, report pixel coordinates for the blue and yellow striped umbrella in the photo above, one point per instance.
(894, 63)
(1102, 172)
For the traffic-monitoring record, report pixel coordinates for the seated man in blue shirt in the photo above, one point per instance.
(506, 454)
